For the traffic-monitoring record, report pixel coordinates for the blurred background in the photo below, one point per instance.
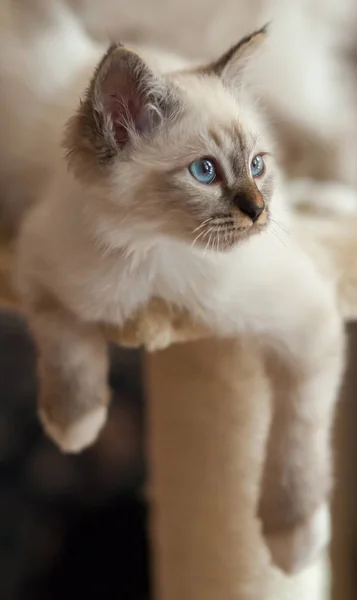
(75, 526)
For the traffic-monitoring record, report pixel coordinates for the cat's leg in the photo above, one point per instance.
(297, 477)
(306, 370)
(276, 293)
(73, 373)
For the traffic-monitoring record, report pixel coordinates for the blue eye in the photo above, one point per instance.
(203, 170)
(257, 166)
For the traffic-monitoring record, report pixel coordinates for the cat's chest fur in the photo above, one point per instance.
(168, 270)
(109, 282)
(102, 278)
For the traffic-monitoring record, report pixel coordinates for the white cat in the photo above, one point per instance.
(171, 193)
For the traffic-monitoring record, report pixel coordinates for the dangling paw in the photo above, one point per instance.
(78, 434)
(294, 549)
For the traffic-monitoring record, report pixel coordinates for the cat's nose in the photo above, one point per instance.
(249, 206)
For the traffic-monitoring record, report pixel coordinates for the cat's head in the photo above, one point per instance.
(181, 154)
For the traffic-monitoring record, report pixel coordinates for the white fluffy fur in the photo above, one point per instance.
(102, 264)
(267, 287)
(80, 434)
(297, 552)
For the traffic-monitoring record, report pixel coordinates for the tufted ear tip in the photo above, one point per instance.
(231, 63)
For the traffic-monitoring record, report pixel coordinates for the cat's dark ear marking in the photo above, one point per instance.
(240, 51)
(231, 63)
(125, 99)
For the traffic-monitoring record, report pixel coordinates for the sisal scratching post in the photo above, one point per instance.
(206, 430)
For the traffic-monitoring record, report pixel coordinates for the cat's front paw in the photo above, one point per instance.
(294, 549)
(79, 433)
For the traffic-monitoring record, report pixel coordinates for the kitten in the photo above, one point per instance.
(170, 193)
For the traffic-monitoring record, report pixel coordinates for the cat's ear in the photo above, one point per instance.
(230, 65)
(124, 100)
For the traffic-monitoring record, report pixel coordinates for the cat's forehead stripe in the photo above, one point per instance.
(216, 138)
(234, 143)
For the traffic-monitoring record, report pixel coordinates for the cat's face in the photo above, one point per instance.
(181, 155)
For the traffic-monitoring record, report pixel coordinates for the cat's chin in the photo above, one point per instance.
(225, 241)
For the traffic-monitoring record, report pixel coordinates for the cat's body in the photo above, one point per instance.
(128, 221)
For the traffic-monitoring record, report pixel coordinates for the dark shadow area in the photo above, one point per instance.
(70, 526)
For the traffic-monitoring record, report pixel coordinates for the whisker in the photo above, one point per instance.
(202, 224)
(208, 243)
(280, 224)
(214, 242)
(198, 237)
(277, 236)
(210, 247)
(223, 222)
(207, 231)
